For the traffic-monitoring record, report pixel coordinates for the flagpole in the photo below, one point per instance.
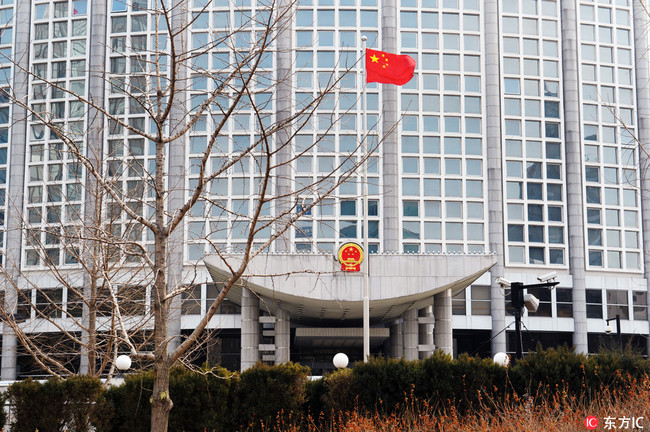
(366, 266)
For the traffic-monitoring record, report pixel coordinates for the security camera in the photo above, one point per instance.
(505, 283)
(608, 329)
(547, 277)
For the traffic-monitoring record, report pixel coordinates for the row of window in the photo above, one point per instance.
(6, 49)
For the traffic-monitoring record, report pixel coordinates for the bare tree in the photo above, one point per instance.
(137, 193)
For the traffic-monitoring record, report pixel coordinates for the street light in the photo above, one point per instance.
(123, 362)
(502, 359)
(529, 301)
(340, 361)
(608, 329)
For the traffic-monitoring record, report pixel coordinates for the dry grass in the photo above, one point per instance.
(557, 412)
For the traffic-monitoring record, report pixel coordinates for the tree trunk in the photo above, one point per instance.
(161, 403)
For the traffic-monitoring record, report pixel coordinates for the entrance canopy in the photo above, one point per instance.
(312, 287)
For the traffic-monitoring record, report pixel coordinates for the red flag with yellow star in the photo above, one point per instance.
(386, 68)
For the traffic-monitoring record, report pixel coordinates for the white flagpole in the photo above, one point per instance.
(366, 267)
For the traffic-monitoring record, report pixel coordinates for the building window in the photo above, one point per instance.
(544, 297)
(49, 302)
(617, 304)
(640, 304)
(481, 300)
(458, 304)
(564, 299)
(594, 303)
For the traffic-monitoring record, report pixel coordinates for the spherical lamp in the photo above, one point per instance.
(123, 362)
(341, 360)
(502, 359)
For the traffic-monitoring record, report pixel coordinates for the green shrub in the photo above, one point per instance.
(3, 413)
(125, 407)
(611, 369)
(476, 379)
(340, 392)
(384, 382)
(36, 406)
(200, 402)
(436, 382)
(263, 392)
(80, 393)
(315, 395)
(201, 399)
(54, 405)
(546, 371)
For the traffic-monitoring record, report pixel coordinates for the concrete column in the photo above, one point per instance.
(176, 177)
(397, 340)
(94, 152)
(426, 330)
(443, 335)
(282, 336)
(643, 124)
(250, 329)
(494, 169)
(574, 167)
(284, 110)
(390, 144)
(411, 334)
(15, 186)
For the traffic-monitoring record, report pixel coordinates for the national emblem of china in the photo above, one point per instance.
(350, 257)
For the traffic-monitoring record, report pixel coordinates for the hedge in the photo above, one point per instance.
(55, 405)
(200, 402)
(215, 399)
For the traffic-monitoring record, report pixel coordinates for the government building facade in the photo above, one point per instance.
(518, 149)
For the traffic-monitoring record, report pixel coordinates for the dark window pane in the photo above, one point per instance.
(535, 212)
(594, 311)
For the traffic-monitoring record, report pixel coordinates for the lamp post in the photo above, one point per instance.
(608, 329)
(519, 301)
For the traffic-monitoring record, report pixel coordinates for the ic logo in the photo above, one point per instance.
(591, 422)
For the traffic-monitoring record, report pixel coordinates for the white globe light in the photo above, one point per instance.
(123, 362)
(502, 359)
(341, 360)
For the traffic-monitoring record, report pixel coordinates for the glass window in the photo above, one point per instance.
(593, 195)
(617, 304)
(411, 208)
(410, 230)
(564, 298)
(536, 233)
(534, 191)
(410, 186)
(453, 230)
(556, 235)
(480, 300)
(640, 303)
(516, 254)
(516, 212)
(515, 233)
(536, 255)
(453, 188)
(535, 212)
(554, 192)
(534, 149)
(512, 86)
(458, 303)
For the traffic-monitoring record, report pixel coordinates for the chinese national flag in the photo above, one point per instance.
(386, 68)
